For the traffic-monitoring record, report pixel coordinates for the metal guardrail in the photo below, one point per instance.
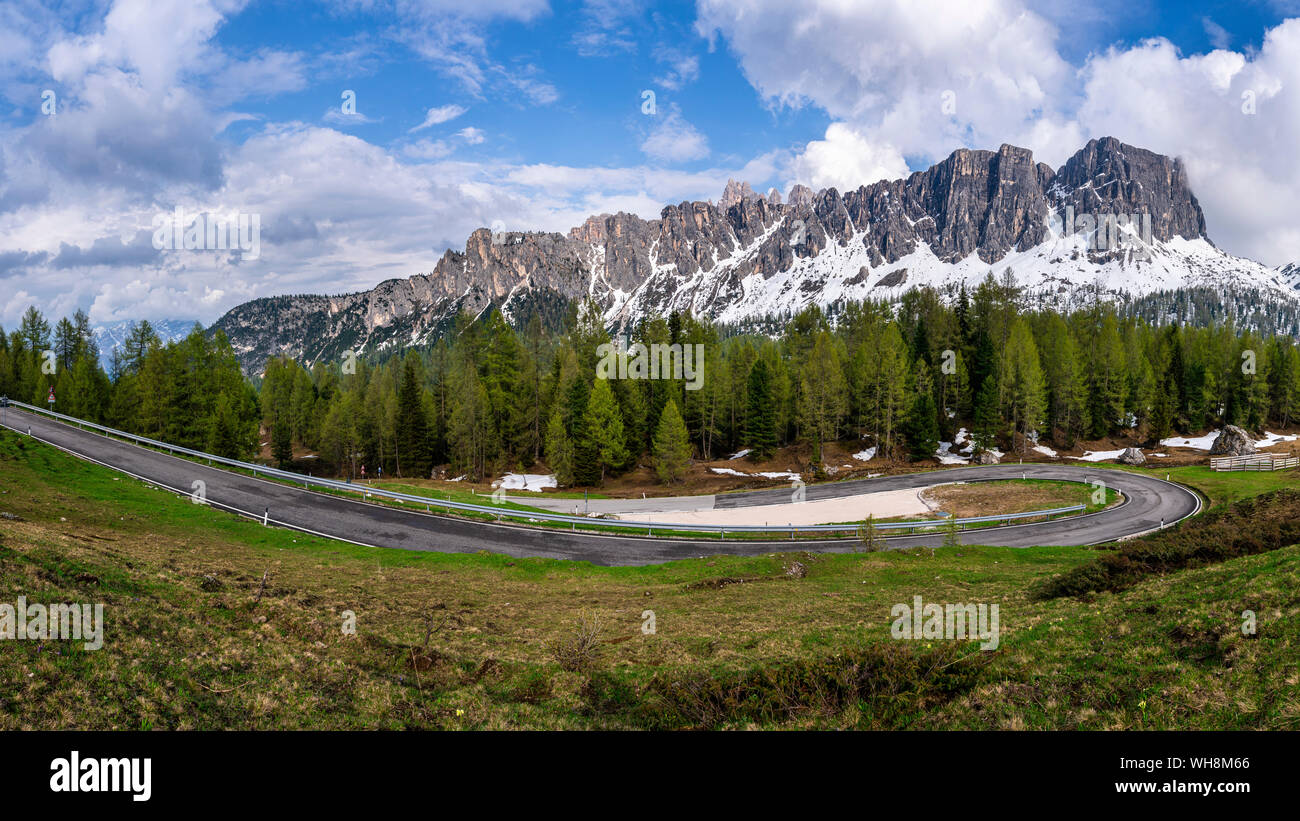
(500, 512)
(1261, 461)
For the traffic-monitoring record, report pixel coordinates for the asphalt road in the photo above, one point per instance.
(1149, 501)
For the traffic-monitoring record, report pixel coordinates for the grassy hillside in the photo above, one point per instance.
(195, 639)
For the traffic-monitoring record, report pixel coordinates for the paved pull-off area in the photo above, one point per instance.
(1149, 501)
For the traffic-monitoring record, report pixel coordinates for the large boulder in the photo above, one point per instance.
(986, 457)
(1132, 456)
(1233, 441)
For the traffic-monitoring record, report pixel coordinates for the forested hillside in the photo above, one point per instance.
(189, 392)
(487, 399)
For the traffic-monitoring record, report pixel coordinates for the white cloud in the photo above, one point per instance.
(883, 72)
(884, 68)
(336, 116)
(439, 115)
(683, 68)
(1243, 166)
(471, 135)
(428, 149)
(674, 140)
(139, 134)
(846, 160)
(1219, 36)
(155, 39)
(605, 27)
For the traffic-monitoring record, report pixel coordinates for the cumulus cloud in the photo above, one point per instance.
(919, 78)
(142, 108)
(1233, 117)
(140, 124)
(925, 76)
(674, 140)
(846, 160)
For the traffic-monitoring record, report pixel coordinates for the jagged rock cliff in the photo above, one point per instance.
(752, 257)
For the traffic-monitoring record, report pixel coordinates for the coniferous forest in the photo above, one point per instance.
(490, 398)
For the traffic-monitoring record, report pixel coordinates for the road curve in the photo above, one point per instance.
(1150, 502)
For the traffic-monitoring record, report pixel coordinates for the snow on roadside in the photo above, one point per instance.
(1045, 450)
(1207, 441)
(865, 455)
(946, 457)
(728, 472)
(963, 435)
(783, 474)
(526, 481)
(1271, 439)
(1196, 443)
(1100, 455)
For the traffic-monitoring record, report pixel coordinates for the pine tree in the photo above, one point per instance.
(66, 343)
(869, 534)
(586, 460)
(760, 413)
(1107, 389)
(139, 340)
(821, 394)
(470, 426)
(951, 538)
(412, 434)
(282, 442)
(603, 429)
(922, 427)
(224, 439)
(35, 330)
(672, 447)
(986, 422)
(86, 345)
(559, 450)
(1066, 382)
(1024, 383)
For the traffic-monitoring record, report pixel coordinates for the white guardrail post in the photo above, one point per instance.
(335, 484)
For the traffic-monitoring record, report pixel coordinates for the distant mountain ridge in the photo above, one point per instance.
(112, 335)
(752, 258)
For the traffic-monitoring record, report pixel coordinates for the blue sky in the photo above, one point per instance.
(531, 112)
(585, 108)
(596, 114)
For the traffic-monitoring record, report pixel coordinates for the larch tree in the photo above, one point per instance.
(672, 446)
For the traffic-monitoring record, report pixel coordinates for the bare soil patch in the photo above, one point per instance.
(988, 498)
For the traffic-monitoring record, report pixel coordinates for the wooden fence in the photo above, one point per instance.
(1257, 461)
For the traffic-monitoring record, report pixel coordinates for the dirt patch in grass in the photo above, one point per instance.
(970, 499)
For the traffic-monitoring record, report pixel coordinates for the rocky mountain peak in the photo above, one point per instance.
(1110, 177)
(800, 194)
(753, 256)
(735, 193)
